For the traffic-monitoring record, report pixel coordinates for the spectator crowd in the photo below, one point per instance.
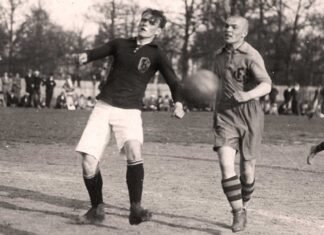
(295, 101)
(35, 90)
(14, 94)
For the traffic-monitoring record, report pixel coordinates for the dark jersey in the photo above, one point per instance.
(131, 71)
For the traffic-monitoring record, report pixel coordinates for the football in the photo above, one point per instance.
(202, 87)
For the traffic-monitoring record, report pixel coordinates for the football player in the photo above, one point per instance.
(239, 119)
(118, 110)
(313, 151)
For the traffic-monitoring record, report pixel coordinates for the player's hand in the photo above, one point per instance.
(241, 96)
(178, 111)
(80, 59)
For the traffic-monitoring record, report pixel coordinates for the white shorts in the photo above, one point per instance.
(125, 123)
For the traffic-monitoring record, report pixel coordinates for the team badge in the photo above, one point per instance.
(144, 64)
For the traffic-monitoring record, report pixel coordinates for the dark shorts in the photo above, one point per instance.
(241, 128)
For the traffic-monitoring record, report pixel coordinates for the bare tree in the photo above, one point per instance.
(188, 27)
(8, 16)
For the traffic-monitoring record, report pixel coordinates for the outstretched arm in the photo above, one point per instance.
(174, 84)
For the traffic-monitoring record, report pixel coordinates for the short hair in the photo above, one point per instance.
(242, 19)
(157, 14)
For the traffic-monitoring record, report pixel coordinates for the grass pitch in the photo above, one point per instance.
(42, 191)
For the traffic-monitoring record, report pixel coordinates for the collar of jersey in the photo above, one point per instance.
(243, 48)
(153, 43)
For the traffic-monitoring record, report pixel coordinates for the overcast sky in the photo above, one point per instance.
(70, 13)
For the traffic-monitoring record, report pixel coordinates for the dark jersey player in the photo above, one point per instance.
(118, 110)
(313, 151)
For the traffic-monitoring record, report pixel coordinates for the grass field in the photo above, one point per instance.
(42, 192)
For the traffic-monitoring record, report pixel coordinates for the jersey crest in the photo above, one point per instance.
(144, 64)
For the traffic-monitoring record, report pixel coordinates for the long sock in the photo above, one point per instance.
(247, 190)
(232, 189)
(319, 147)
(134, 179)
(94, 187)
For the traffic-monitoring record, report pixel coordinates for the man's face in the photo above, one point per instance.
(148, 26)
(235, 30)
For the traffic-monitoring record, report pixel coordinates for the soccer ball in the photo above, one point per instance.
(201, 88)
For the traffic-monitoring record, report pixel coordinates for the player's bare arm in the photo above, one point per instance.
(262, 89)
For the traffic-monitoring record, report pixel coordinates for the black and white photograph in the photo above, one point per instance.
(162, 117)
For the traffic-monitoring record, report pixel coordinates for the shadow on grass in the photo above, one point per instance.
(6, 229)
(13, 192)
(71, 217)
(258, 165)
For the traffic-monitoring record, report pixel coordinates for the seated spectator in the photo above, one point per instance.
(82, 102)
(166, 103)
(61, 101)
(24, 101)
(90, 103)
(152, 103)
(13, 100)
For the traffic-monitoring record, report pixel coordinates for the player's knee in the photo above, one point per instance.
(248, 171)
(133, 150)
(89, 165)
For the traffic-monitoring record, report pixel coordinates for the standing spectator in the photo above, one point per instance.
(285, 107)
(287, 95)
(2, 99)
(49, 89)
(159, 102)
(76, 77)
(95, 77)
(296, 100)
(37, 81)
(16, 86)
(5, 87)
(273, 100)
(69, 92)
(29, 87)
(316, 106)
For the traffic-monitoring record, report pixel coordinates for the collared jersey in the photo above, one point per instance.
(241, 69)
(132, 69)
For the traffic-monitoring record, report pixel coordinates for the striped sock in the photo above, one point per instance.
(232, 189)
(247, 190)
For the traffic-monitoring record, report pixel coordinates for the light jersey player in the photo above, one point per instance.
(239, 119)
(118, 110)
